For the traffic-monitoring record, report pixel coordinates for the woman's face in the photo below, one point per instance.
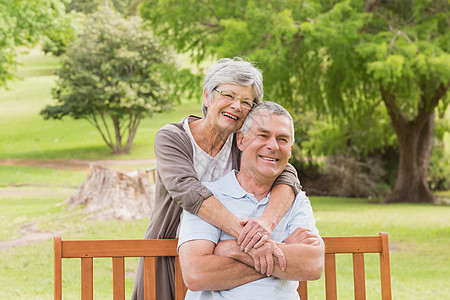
(225, 112)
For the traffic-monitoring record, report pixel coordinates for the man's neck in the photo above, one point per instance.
(259, 187)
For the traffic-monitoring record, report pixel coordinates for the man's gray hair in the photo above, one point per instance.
(271, 108)
(233, 71)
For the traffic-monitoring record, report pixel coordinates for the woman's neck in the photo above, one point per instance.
(207, 137)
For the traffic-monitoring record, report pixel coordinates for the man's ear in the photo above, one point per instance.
(240, 140)
(206, 101)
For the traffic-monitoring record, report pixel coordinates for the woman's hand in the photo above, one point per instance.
(263, 258)
(256, 232)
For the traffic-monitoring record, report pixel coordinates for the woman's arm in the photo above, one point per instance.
(280, 201)
(215, 213)
(284, 190)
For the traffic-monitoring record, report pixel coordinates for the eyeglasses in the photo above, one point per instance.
(229, 97)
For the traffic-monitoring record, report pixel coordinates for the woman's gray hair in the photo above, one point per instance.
(233, 71)
(271, 108)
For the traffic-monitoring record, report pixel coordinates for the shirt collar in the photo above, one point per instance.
(230, 185)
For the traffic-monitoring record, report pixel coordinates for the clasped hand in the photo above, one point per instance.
(263, 257)
(255, 240)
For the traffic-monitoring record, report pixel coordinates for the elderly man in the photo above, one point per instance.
(265, 139)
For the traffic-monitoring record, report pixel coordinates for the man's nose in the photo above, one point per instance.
(272, 143)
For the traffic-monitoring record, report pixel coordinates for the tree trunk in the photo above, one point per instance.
(111, 194)
(415, 145)
(118, 148)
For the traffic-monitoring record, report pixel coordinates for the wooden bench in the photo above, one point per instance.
(149, 249)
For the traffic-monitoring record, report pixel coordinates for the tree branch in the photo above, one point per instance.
(394, 112)
(266, 40)
(210, 9)
(370, 5)
(107, 131)
(95, 123)
(394, 39)
(427, 105)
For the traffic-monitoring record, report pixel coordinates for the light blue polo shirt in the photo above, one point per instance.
(243, 205)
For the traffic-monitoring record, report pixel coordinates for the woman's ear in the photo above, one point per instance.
(206, 101)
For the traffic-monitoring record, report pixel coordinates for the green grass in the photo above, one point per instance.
(34, 176)
(25, 134)
(419, 240)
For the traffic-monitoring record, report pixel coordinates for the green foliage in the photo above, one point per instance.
(344, 59)
(24, 23)
(132, 8)
(439, 170)
(84, 6)
(330, 56)
(58, 38)
(121, 5)
(115, 70)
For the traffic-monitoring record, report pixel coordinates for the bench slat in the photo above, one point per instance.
(302, 290)
(118, 278)
(149, 278)
(352, 244)
(330, 276)
(359, 276)
(180, 287)
(385, 269)
(57, 268)
(122, 248)
(87, 286)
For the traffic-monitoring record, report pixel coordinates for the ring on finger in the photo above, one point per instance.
(259, 234)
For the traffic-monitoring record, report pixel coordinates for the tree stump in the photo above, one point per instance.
(111, 194)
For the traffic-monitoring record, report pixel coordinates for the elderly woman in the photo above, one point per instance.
(203, 149)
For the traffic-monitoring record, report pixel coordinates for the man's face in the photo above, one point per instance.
(267, 147)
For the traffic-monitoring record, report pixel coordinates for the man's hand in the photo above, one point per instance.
(263, 258)
(256, 232)
(303, 236)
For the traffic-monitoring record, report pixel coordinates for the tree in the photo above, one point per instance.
(114, 71)
(343, 58)
(24, 23)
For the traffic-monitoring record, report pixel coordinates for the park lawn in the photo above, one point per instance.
(25, 134)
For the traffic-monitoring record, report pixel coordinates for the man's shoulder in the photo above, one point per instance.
(215, 188)
(301, 198)
(221, 184)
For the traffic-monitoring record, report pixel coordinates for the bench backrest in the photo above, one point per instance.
(149, 249)
(117, 250)
(357, 246)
